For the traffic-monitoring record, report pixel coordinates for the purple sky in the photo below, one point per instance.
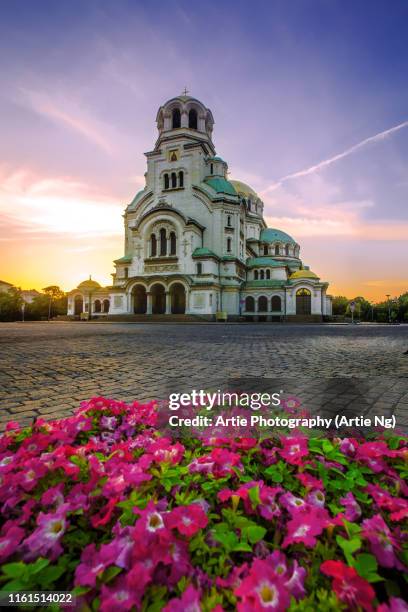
(310, 102)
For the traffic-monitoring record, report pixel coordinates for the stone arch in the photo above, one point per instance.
(158, 294)
(276, 303)
(97, 306)
(262, 303)
(250, 304)
(303, 301)
(193, 119)
(175, 118)
(178, 298)
(78, 305)
(139, 299)
(105, 305)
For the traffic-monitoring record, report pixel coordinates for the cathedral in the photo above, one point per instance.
(196, 242)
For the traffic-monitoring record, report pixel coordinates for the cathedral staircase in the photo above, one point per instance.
(173, 318)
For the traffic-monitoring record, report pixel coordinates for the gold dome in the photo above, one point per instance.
(303, 274)
(244, 189)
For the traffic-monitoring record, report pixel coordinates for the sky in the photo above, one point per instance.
(310, 101)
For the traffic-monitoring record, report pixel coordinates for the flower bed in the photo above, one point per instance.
(104, 505)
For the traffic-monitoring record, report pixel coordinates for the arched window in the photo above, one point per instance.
(265, 250)
(250, 304)
(268, 274)
(173, 180)
(286, 249)
(181, 178)
(262, 304)
(172, 243)
(105, 306)
(97, 306)
(163, 242)
(211, 168)
(229, 221)
(192, 119)
(277, 249)
(166, 181)
(256, 275)
(153, 246)
(276, 303)
(126, 272)
(228, 245)
(176, 120)
(262, 274)
(199, 268)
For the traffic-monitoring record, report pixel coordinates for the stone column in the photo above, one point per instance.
(184, 118)
(149, 303)
(168, 302)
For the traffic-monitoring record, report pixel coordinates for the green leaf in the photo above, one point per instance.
(274, 473)
(110, 573)
(255, 533)
(15, 570)
(253, 493)
(349, 547)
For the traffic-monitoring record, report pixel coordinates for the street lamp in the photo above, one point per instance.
(389, 307)
(372, 311)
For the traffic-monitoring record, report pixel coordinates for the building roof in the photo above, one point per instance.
(265, 283)
(303, 274)
(124, 259)
(271, 234)
(89, 285)
(221, 185)
(244, 189)
(204, 252)
(5, 283)
(255, 262)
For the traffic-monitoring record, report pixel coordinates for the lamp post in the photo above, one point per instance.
(372, 311)
(389, 307)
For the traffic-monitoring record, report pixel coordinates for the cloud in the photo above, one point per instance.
(32, 205)
(67, 112)
(331, 160)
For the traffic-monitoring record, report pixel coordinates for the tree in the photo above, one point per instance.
(10, 305)
(54, 293)
(340, 304)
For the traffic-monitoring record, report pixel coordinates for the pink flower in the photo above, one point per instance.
(394, 605)
(10, 540)
(294, 449)
(261, 589)
(353, 510)
(121, 596)
(187, 519)
(381, 541)
(305, 526)
(291, 503)
(316, 498)
(309, 481)
(93, 564)
(349, 587)
(45, 540)
(188, 602)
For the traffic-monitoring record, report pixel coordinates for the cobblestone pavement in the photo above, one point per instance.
(48, 368)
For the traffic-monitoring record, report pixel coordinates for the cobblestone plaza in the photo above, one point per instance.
(47, 369)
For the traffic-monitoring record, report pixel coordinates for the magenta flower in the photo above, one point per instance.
(188, 602)
(120, 596)
(93, 564)
(187, 519)
(309, 481)
(305, 526)
(353, 510)
(45, 540)
(261, 589)
(294, 449)
(382, 542)
(9, 540)
(394, 605)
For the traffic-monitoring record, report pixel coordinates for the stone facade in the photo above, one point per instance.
(196, 242)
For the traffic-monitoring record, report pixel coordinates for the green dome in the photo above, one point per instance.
(221, 185)
(274, 235)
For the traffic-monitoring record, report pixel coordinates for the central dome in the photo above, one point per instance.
(271, 234)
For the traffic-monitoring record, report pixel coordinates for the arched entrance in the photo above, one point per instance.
(262, 304)
(178, 299)
(276, 303)
(105, 306)
(249, 304)
(139, 299)
(303, 302)
(78, 305)
(158, 299)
